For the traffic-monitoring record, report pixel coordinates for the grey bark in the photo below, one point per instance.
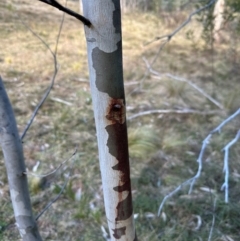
(16, 171)
(104, 46)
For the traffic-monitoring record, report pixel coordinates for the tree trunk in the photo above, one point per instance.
(218, 14)
(16, 171)
(104, 46)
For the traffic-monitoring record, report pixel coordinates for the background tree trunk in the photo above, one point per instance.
(218, 14)
(16, 171)
(104, 45)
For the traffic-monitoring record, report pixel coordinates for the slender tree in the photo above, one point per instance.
(14, 161)
(104, 46)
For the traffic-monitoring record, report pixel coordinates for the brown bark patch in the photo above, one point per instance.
(116, 111)
(119, 232)
(118, 147)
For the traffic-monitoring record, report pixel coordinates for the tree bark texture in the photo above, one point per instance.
(16, 171)
(104, 46)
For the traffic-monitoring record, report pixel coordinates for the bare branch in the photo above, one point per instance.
(190, 181)
(184, 111)
(53, 173)
(61, 101)
(55, 4)
(54, 55)
(147, 71)
(201, 91)
(168, 37)
(206, 141)
(213, 220)
(226, 166)
(196, 88)
(62, 189)
(218, 128)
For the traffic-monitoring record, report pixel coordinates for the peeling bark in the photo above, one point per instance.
(104, 45)
(16, 171)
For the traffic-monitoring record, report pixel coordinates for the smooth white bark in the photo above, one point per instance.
(104, 46)
(16, 171)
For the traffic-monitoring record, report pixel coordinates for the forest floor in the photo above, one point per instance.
(164, 147)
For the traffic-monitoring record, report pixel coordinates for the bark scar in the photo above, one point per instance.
(116, 111)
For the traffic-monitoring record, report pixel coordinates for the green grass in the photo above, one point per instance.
(163, 147)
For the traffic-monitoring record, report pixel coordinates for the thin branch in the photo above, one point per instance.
(218, 128)
(196, 88)
(52, 173)
(188, 20)
(168, 37)
(226, 166)
(147, 71)
(200, 161)
(159, 51)
(61, 191)
(54, 55)
(206, 141)
(184, 111)
(201, 91)
(213, 220)
(61, 101)
(190, 181)
(57, 5)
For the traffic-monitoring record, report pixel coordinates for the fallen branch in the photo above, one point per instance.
(226, 166)
(213, 219)
(192, 180)
(177, 78)
(61, 101)
(185, 111)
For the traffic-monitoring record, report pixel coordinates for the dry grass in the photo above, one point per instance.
(163, 148)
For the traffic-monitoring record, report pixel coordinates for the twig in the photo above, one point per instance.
(52, 173)
(226, 166)
(156, 73)
(147, 71)
(54, 55)
(218, 128)
(169, 36)
(61, 191)
(61, 101)
(192, 180)
(213, 220)
(200, 160)
(196, 88)
(55, 4)
(184, 111)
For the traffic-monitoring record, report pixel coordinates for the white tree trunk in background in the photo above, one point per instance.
(218, 19)
(104, 46)
(14, 161)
